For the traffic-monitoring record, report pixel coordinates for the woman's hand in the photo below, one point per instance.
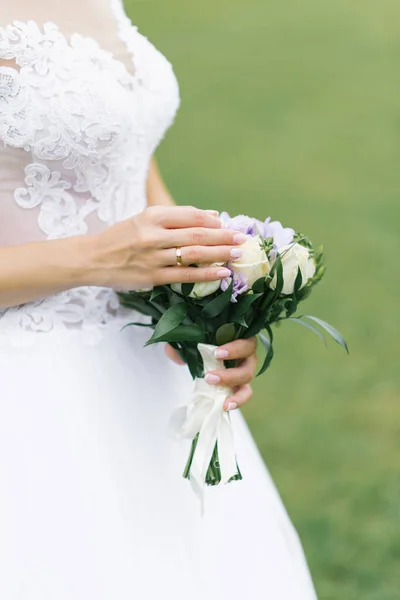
(141, 251)
(239, 377)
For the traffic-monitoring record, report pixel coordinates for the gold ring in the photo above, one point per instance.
(179, 262)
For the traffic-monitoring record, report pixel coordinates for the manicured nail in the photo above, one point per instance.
(223, 273)
(219, 353)
(211, 378)
(236, 253)
(239, 238)
(214, 213)
(232, 405)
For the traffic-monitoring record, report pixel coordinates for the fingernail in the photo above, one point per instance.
(236, 253)
(215, 213)
(239, 238)
(232, 405)
(211, 378)
(219, 353)
(223, 273)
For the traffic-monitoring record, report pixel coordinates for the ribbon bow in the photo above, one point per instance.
(204, 415)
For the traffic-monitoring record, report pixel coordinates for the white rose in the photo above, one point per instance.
(200, 290)
(254, 262)
(294, 256)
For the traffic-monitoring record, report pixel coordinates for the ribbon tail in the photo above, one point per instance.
(207, 439)
(226, 450)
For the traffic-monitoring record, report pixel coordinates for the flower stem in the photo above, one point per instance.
(213, 475)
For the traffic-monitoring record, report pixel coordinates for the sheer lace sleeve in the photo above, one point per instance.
(79, 124)
(18, 120)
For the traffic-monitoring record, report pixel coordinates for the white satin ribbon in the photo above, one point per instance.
(205, 415)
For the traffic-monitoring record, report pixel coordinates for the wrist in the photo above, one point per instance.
(86, 261)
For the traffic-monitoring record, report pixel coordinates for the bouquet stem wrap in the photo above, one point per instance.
(212, 458)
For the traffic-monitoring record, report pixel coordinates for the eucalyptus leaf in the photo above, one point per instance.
(226, 333)
(309, 326)
(174, 316)
(334, 333)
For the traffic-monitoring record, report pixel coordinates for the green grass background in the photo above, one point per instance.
(291, 109)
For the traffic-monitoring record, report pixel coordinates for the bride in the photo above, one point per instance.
(92, 502)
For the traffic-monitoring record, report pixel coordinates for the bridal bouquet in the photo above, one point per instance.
(277, 271)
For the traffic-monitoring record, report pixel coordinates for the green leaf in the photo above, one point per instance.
(138, 325)
(137, 302)
(258, 286)
(309, 326)
(226, 333)
(257, 324)
(244, 301)
(290, 306)
(278, 269)
(193, 360)
(334, 333)
(187, 288)
(298, 281)
(181, 333)
(240, 321)
(173, 317)
(157, 291)
(217, 305)
(304, 293)
(267, 343)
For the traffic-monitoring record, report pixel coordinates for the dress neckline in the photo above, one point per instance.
(125, 31)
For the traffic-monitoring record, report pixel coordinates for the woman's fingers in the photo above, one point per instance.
(241, 395)
(173, 355)
(201, 255)
(234, 376)
(176, 217)
(201, 236)
(236, 349)
(189, 274)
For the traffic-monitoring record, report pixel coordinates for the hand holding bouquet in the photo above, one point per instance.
(277, 269)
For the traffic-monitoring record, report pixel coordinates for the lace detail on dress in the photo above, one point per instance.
(91, 128)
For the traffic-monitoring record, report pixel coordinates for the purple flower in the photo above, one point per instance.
(250, 226)
(242, 223)
(282, 235)
(239, 285)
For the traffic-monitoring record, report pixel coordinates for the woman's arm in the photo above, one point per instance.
(138, 252)
(157, 193)
(34, 270)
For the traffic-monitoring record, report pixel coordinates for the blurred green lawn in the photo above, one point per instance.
(291, 109)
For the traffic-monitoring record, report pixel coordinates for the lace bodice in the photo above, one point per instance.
(77, 132)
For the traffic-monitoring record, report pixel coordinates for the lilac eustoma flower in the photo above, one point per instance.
(239, 285)
(250, 226)
(242, 223)
(282, 236)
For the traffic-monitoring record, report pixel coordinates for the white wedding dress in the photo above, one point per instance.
(93, 505)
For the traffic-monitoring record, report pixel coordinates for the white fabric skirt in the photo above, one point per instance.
(93, 505)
